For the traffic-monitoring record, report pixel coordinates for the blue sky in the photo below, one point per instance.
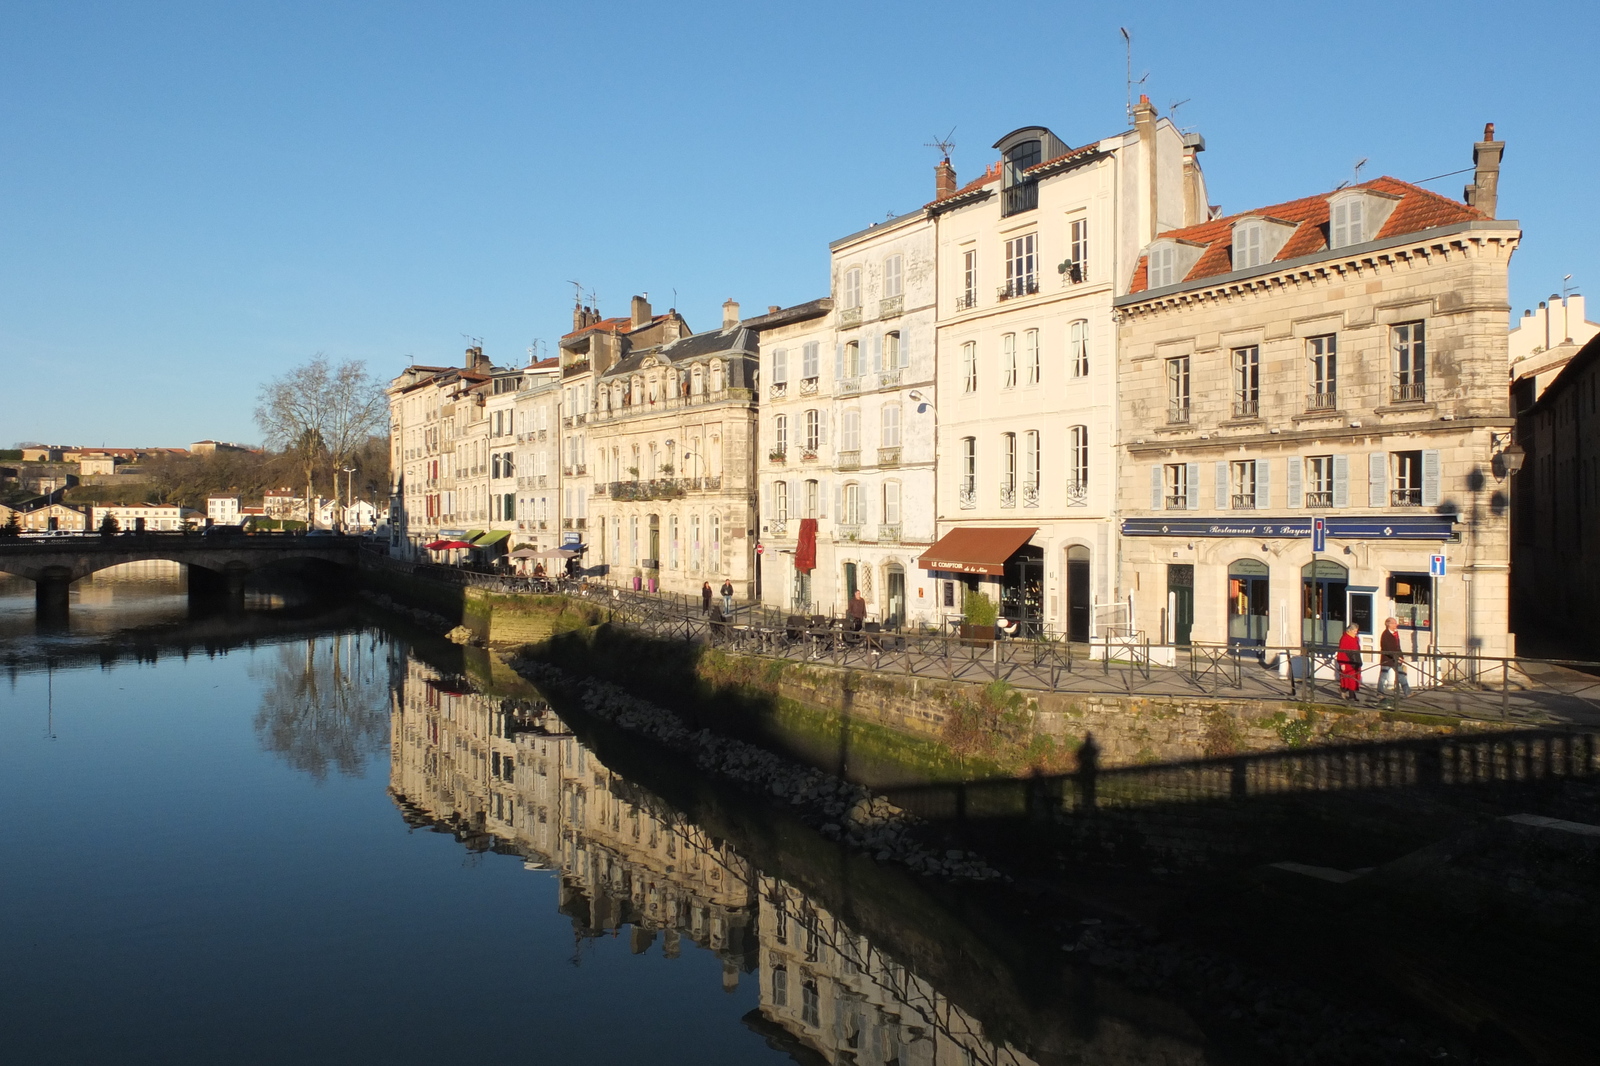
(195, 197)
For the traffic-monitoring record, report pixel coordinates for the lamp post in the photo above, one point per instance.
(350, 490)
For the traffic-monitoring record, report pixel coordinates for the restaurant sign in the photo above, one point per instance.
(1339, 527)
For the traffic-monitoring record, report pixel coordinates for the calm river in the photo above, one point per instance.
(288, 836)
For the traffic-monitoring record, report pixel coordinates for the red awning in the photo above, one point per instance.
(976, 549)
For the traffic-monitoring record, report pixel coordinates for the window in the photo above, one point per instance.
(1247, 382)
(1243, 476)
(809, 362)
(780, 434)
(891, 277)
(969, 472)
(1322, 354)
(1410, 363)
(813, 499)
(633, 541)
(1030, 356)
(1078, 466)
(1021, 275)
(1031, 463)
(891, 503)
(969, 280)
(1246, 245)
(672, 540)
(715, 523)
(969, 366)
(810, 1005)
(1412, 594)
(1078, 250)
(852, 289)
(852, 505)
(1163, 266)
(694, 541)
(889, 436)
(1178, 389)
(1008, 360)
(1319, 481)
(1018, 193)
(780, 501)
(1008, 470)
(893, 357)
(852, 359)
(850, 431)
(780, 367)
(1078, 347)
(1177, 486)
(1347, 224)
(813, 439)
(1407, 473)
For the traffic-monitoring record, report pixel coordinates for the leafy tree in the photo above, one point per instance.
(320, 413)
(108, 525)
(12, 529)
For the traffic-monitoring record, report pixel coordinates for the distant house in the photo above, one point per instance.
(155, 517)
(283, 504)
(223, 510)
(207, 447)
(90, 464)
(44, 514)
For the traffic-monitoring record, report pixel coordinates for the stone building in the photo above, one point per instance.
(1543, 342)
(673, 440)
(538, 457)
(151, 517)
(1339, 358)
(431, 409)
(847, 430)
(47, 513)
(1556, 557)
(1030, 258)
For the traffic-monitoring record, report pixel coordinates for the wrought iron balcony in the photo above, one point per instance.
(808, 455)
(889, 456)
(1077, 493)
(1321, 498)
(808, 386)
(778, 456)
(848, 386)
(889, 378)
(1250, 408)
(1030, 495)
(850, 531)
(1405, 497)
(890, 306)
(850, 460)
(778, 389)
(966, 301)
(850, 316)
(1408, 392)
(969, 496)
(1023, 196)
(1178, 414)
(1244, 501)
(1024, 286)
(778, 526)
(1008, 495)
(1323, 401)
(889, 534)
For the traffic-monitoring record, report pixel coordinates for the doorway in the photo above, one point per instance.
(897, 598)
(1180, 601)
(1248, 597)
(850, 578)
(654, 561)
(1324, 607)
(1080, 597)
(1022, 590)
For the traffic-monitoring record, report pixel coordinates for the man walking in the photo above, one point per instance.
(727, 598)
(857, 611)
(1391, 662)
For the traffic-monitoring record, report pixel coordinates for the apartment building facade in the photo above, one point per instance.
(1336, 360)
(1031, 257)
(537, 461)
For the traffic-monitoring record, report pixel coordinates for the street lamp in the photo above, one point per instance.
(1507, 455)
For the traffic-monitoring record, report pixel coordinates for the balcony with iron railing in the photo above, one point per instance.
(1177, 414)
(849, 316)
(850, 460)
(1246, 407)
(671, 402)
(1321, 498)
(1030, 494)
(778, 526)
(848, 531)
(890, 378)
(1408, 392)
(1023, 286)
(778, 389)
(890, 306)
(1323, 401)
(968, 496)
(663, 488)
(1244, 501)
(889, 533)
(1008, 495)
(1077, 492)
(808, 455)
(1405, 497)
(1023, 196)
(967, 301)
(889, 456)
(577, 366)
(778, 456)
(848, 386)
(808, 386)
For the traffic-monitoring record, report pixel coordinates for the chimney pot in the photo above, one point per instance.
(640, 312)
(730, 313)
(944, 180)
(773, 309)
(1484, 192)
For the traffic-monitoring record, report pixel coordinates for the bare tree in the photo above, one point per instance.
(321, 412)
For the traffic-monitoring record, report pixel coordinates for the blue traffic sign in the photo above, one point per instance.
(1319, 534)
(1436, 565)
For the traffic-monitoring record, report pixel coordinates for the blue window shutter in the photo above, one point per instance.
(1297, 496)
(1155, 488)
(1222, 486)
(1263, 484)
(1193, 475)
(1377, 479)
(1430, 478)
(1341, 480)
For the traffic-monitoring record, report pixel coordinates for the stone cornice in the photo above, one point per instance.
(1289, 438)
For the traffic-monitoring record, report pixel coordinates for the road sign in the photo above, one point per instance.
(1436, 565)
(761, 549)
(1319, 534)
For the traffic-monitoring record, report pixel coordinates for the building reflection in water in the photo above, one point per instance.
(506, 776)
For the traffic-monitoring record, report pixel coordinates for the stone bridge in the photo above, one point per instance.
(216, 564)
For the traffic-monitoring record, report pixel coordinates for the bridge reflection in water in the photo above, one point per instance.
(508, 777)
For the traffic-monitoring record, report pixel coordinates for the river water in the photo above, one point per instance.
(291, 835)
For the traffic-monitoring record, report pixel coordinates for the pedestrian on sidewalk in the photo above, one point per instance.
(705, 598)
(1349, 660)
(857, 611)
(1391, 660)
(727, 598)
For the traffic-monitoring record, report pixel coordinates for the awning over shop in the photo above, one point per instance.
(493, 537)
(472, 534)
(976, 549)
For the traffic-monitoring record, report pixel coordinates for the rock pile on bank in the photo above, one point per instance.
(838, 809)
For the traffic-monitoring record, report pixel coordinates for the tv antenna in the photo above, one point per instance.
(944, 144)
(1567, 288)
(577, 291)
(1355, 174)
(475, 342)
(1127, 40)
(1172, 110)
(533, 350)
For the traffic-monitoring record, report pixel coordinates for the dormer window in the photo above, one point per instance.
(1169, 261)
(1018, 192)
(1246, 245)
(1163, 258)
(1347, 224)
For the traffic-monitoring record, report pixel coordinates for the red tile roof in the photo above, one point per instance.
(1417, 210)
(623, 324)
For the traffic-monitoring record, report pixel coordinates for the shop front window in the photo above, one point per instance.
(1248, 596)
(1324, 584)
(1413, 600)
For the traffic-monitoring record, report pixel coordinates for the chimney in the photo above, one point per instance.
(944, 180)
(476, 361)
(1144, 121)
(730, 313)
(1194, 206)
(1484, 192)
(641, 313)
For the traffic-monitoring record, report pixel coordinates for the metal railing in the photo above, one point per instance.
(1322, 401)
(1408, 392)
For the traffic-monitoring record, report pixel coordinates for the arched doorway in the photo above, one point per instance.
(1248, 597)
(895, 616)
(1079, 593)
(1324, 584)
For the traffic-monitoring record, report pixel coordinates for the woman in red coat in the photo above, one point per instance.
(1349, 660)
